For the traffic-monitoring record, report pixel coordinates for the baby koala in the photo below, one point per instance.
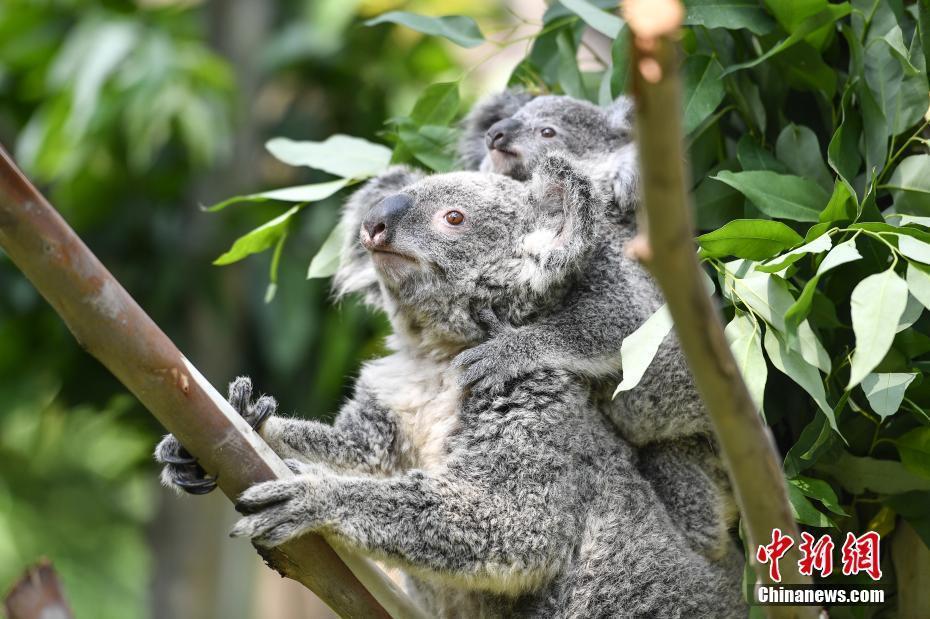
(521, 501)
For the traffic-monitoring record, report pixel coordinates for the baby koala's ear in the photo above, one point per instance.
(567, 207)
(620, 116)
(485, 113)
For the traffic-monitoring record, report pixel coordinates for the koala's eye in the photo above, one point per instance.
(547, 132)
(454, 218)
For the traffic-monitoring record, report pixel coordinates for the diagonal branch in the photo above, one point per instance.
(666, 247)
(112, 327)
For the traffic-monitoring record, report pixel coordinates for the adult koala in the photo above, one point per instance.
(510, 133)
(518, 502)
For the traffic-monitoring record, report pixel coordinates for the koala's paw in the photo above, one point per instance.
(181, 470)
(255, 413)
(280, 510)
(504, 356)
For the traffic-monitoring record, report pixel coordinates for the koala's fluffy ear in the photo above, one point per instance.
(567, 208)
(620, 116)
(485, 113)
(356, 273)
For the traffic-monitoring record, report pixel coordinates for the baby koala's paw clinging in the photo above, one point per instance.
(255, 413)
(181, 470)
(507, 354)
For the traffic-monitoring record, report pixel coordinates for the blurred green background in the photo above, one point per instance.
(129, 116)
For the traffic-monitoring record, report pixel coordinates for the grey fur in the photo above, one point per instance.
(612, 297)
(516, 501)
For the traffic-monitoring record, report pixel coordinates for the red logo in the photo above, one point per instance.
(859, 554)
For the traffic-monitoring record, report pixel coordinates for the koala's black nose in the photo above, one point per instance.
(381, 220)
(501, 133)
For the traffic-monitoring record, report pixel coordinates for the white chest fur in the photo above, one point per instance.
(425, 398)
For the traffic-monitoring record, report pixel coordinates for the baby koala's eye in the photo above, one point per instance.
(454, 218)
(547, 132)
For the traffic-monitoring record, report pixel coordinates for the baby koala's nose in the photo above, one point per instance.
(378, 226)
(500, 133)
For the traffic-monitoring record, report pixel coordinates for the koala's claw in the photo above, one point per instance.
(275, 511)
(204, 485)
(181, 469)
(240, 397)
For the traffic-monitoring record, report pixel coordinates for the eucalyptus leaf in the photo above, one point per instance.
(744, 335)
(602, 21)
(858, 474)
(782, 196)
(915, 249)
(342, 155)
(876, 305)
(259, 239)
(702, 85)
(437, 105)
(300, 193)
(797, 147)
(459, 29)
(914, 448)
(754, 239)
(326, 261)
(729, 14)
(910, 185)
(820, 490)
(804, 511)
(640, 347)
(918, 283)
(885, 392)
(794, 366)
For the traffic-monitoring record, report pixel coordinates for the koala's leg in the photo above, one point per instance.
(689, 479)
(653, 572)
(434, 526)
(362, 438)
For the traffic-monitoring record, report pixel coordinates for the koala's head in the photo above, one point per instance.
(451, 245)
(510, 132)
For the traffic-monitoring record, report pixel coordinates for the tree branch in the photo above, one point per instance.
(37, 595)
(112, 327)
(666, 247)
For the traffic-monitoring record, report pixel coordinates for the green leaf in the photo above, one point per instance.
(703, 89)
(800, 371)
(918, 283)
(259, 239)
(620, 63)
(459, 29)
(640, 347)
(300, 193)
(751, 156)
(768, 296)
(729, 14)
(843, 150)
(804, 511)
(841, 254)
(438, 104)
(779, 195)
(820, 490)
(326, 261)
(858, 475)
(797, 147)
(877, 303)
(885, 392)
(753, 239)
(842, 205)
(341, 155)
(818, 245)
(570, 78)
(715, 204)
(815, 438)
(605, 23)
(745, 338)
(430, 144)
(902, 98)
(831, 14)
(914, 249)
(914, 448)
(910, 185)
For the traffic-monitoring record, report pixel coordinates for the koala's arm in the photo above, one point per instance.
(477, 521)
(355, 272)
(362, 438)
(485, 113)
